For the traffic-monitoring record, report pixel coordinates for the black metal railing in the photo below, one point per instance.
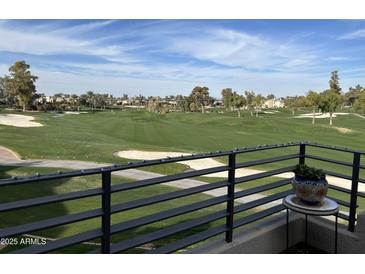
(107, 209)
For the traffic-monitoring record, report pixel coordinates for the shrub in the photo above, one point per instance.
(310, 173)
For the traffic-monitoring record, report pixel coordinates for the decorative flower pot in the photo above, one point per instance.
(310, 191)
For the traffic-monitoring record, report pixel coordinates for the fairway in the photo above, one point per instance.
(96, 136)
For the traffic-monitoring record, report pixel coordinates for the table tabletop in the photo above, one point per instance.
(326, 207)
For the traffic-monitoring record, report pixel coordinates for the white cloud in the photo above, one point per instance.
(353, 35)
(233, 48)
(81, 28)
(337, 58)
(48, 43)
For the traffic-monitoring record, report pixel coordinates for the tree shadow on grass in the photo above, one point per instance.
(127, 235)
(14, 193)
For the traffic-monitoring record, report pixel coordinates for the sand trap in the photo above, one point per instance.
(194, 164)
(270, 112)
(147, 155)
(75, 112)
(344, 130)
(8, 154)
(321, 115)
(209, 162)
(18, 120)
(57, 115)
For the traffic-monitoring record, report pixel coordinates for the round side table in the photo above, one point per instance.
(325, 208)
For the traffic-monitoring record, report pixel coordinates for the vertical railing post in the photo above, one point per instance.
(354, 187)
(301, 154)
(230, 196)
(105, 219)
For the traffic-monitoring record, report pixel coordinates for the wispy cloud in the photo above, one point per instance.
(55, 42)
(353, 35)
(233, 48)
(338, 58)
(84, 27)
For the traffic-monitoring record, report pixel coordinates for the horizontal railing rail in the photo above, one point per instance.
(231, 193)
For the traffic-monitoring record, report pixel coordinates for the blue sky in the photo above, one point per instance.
(163, 57)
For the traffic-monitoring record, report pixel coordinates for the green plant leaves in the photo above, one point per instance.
(310, 173)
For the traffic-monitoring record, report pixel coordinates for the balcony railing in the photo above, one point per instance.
(107, 209)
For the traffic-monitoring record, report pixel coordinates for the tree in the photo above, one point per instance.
(74, 102)
(182, 102)
(335, 82)
(250, 95)
(258, 101)
(91, 100)
(329, 101)
(82, 100)
(353, 94)
(270, 96)
(331, 98)
(2, 90)
(153, 104)
(227, 98)
(200, 96)
(125, 96)
(313, 100)
(360, 103)
(238, 101)
(139, 100)
(193, 106)
(292, 102)
(21, 84)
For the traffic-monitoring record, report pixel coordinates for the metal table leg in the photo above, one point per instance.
(336, 233)
(287, 230)
(306, 234)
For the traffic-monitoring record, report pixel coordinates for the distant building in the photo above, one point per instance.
(60, 99)
(274, 103)
(126, 102)
(49, 99)
(218, 103)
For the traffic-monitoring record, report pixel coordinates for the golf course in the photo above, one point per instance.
(106, 137)
(95, 136)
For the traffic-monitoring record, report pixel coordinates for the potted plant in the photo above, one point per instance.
(309, 184)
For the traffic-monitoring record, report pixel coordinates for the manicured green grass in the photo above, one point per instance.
(95, 136)
(27, 191)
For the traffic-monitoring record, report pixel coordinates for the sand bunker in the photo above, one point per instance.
(270, 112)
(321, 115)
(18, 120)
(344, 130)
(8, 154)
(75, 112)
(194, 164)
(209, 162)
(61, 114)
